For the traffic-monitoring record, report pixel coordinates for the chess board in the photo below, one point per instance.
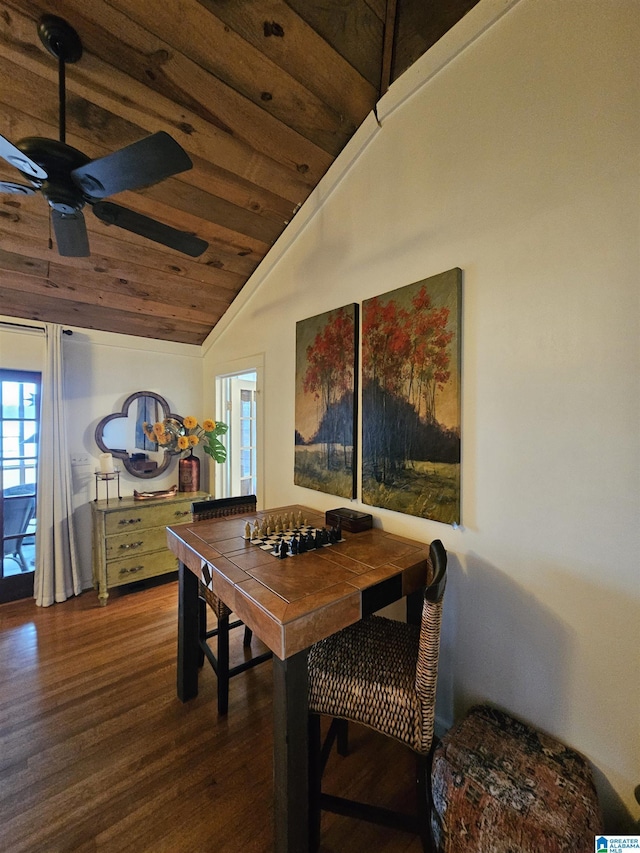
(298, 538)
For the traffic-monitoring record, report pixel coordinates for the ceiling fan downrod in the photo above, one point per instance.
(63, 42)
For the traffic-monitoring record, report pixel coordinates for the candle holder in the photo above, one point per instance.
(107, 477)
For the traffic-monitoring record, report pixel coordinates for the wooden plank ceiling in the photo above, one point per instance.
(262, 94)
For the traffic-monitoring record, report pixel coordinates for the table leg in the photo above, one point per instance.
(188, 634)
(415, 600)
(290, 754)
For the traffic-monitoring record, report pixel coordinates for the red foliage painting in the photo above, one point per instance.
(411, 398)
(326, 352)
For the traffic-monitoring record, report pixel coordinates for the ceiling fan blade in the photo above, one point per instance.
(181, 241)
(137, 165)
(16, 189)
(71, 234)
(13, 155)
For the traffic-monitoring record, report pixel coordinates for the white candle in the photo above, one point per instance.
(106, 463)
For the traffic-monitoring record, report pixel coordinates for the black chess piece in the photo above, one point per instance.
(302, 544)
(284, 549)
(294, 545)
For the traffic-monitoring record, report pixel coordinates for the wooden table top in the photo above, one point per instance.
(293, 602)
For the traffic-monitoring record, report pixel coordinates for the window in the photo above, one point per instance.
(19, 412)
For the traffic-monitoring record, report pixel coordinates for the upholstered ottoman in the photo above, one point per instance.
(500, 786)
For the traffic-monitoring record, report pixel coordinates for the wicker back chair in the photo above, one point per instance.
(380, 673)
(219, 661)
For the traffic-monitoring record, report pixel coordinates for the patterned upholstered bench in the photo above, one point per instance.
(501, 786)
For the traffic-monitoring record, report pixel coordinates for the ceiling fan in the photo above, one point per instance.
(69, 180)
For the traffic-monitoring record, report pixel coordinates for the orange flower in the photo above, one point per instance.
(158, 428)
(208, 425)
(193, 440)
(190, 422)
(183, 442)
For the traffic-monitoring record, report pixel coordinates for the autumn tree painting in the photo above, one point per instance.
(325, 402)
(411, 399)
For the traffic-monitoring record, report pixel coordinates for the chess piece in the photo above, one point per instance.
(294, 545)
(256, 529)
(284, 548)
(247, 531)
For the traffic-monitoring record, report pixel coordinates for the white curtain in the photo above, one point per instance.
(57, 575)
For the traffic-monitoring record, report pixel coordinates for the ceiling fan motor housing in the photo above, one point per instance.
(58, 160)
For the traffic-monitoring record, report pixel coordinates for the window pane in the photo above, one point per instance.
(245, 463)
(29, 401)
(10, 441)
(10, 477)
(245, 433)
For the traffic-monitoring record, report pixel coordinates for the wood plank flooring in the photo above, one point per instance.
(97, 755)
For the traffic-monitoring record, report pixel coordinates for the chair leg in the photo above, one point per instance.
(248, 633)
(315, 781)
(223, 665)
(202, 629)
(424, 801)
(20, 557)
(342, 728)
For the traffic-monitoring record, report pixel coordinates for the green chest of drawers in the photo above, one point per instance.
(130, 540)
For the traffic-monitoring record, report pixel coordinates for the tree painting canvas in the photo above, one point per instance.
(326, 382)
(411, 398)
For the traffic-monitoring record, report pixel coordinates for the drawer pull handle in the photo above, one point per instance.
(130, 521)
(131, 571)
(131, 545)
(178, 513)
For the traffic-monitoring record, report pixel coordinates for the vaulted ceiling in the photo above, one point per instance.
(263, 95)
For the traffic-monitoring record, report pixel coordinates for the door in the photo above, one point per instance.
(238, 407)
(19, 418)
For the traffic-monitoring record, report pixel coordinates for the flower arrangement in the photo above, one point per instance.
(177, 436)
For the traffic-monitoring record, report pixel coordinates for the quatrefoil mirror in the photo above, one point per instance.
(121, 434)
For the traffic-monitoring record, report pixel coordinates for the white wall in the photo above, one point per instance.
(101, 370)
(513, 155)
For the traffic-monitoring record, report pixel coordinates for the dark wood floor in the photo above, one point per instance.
(98, 754)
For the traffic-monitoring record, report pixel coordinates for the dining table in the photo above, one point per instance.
(290, 603)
